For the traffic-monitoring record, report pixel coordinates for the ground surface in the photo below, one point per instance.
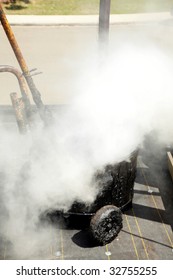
(47, 49)
(147, 227)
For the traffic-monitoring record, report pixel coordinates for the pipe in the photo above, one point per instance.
(44, 114)
(20, 78)
(104, 15)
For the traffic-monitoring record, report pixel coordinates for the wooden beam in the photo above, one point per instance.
(170, 163)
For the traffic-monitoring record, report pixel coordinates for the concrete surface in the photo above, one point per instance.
(147, 227)
(86, 19)
(63, 53)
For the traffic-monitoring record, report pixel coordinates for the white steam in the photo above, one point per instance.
(120, 100)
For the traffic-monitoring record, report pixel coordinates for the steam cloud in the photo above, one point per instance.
(120, 100)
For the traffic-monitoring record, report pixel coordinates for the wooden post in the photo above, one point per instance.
(170, 163)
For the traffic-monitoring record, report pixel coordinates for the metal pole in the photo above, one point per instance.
(35, 93)
(104, 15)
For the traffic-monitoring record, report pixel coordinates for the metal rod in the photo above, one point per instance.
(19, 106)
(104, 15)
(20, 78)
(25, 97)
(35, 93)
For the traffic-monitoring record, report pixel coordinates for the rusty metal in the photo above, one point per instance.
(19, 108)
(44, 114)
(21, 81)
(27, 115)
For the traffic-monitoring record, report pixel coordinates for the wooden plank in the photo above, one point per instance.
(170, 163)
